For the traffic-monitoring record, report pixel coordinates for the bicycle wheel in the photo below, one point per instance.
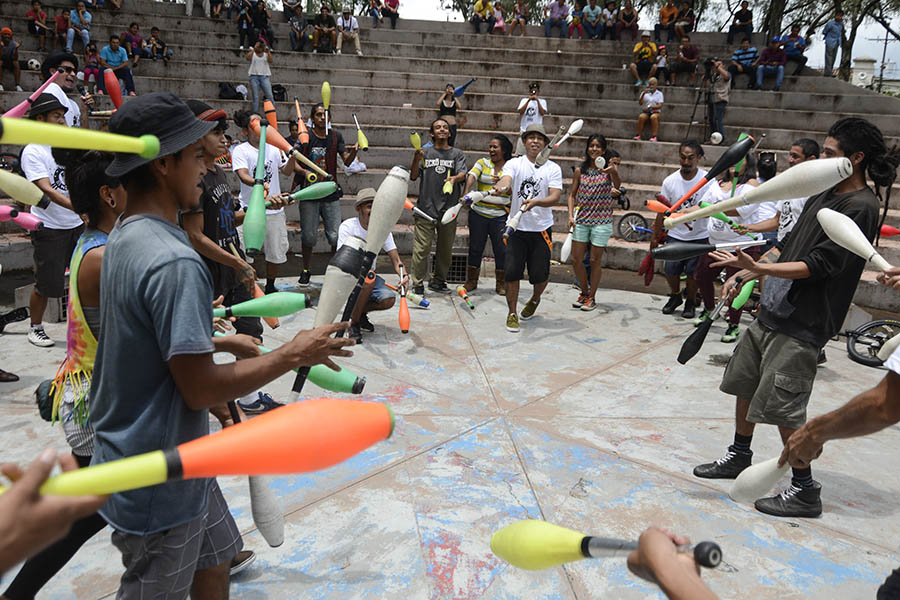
(865, 341)
(628, 227)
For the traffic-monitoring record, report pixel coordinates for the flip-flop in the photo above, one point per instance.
(13, 316)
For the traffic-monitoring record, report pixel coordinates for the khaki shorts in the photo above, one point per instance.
(275, 246)
(776, 372)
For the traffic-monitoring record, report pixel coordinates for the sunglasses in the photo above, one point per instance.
(69, 70)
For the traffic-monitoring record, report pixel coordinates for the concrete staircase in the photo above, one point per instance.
(394, 88)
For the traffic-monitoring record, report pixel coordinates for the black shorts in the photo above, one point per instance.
(52, 252)
(674, 268)
(682, 67)
(531, 248)
(644, 66)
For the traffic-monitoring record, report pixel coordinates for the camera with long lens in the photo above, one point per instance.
(709, 63)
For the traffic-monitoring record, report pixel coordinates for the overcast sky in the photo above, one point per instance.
(430, 10)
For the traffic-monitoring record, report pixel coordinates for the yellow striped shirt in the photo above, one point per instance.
(494, 205)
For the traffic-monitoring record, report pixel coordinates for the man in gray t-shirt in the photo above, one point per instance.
(437, 165)
(154, 377)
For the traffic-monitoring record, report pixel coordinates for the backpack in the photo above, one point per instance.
(279, 92)
(227, 91)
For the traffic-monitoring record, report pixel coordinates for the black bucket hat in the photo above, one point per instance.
(161, 114)
(44, 104)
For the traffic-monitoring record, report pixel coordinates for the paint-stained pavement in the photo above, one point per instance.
(584, 419)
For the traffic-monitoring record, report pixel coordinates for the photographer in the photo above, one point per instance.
(717, 75)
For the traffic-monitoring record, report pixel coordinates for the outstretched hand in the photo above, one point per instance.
(739, 259)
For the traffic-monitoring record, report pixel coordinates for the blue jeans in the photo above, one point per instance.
(768, 70)
(830, 55)
(376, 15)
(604, 29)
(592, 31)
(718, 116)
(70, 38)
(124, 74)
(257, 82)
(298, 40)
(480, 228)
(549, 24)
(669, 29)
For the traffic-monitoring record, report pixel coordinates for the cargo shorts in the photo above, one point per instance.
(775, 372)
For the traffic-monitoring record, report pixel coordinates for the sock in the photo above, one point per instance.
(270, 283)
(39, 326)
(742, 442)
(802, 477)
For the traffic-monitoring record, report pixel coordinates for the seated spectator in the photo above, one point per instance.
(771, 63)
(244, 21)
(38, 25)
(348, 29)
(91, 64)
(667, 15)
(215, 8)
(115, 57)
(499, 20)
(520, 15)
(94, 3)
(133, 42)
(577, 18)
(684, 23)
(299, 30)
(156, 48)
(743, 22)
(294, 133)
(794, 46)
(662, 64)
(80, 22)
(744, 61)
(555, 15)
(61, 21)
(593, 20)
(324, 26)
(375, 8)
(261, 17)
(651, 102)
(627, 21)
(685, 61)
(9, 57)
(483, 12)
(391, 10)
(610, 14)
(644, 65)
(290, 7)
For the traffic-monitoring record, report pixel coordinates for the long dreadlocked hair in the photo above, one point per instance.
(879, 163)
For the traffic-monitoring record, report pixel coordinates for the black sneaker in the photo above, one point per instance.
(365, 324)
(419, 289)
(354, 333)
(304, 277)
(793, 502)
(822, 358)
(241, 561)
(673, 303)
(688, 312)
(438, 286)
(727, 467)
(270, 289)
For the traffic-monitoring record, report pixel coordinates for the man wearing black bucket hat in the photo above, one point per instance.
(154, 376)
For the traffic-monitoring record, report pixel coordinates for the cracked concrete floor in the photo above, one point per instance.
(584, 419)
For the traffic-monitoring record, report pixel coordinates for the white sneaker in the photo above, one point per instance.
(241, 47)
(315, 51)
(359, 53)
(19, 88)
(1, 89)
(39, 337)
(338, 51)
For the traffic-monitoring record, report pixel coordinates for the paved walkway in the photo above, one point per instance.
(584, 419)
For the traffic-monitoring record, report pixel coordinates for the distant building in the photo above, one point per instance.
(866, 71)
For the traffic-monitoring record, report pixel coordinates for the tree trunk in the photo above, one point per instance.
(847, 52)
(774, 16)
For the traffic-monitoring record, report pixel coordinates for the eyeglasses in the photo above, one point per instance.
(69, 70)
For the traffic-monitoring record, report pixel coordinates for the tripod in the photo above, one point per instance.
(702, 91)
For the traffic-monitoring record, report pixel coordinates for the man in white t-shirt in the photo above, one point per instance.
(243, 163)
(377, 296)
(65, 84)
(789, 210)
(55, 241)
(348, 29)
(534, 190)
(674, 187)
(532, 110)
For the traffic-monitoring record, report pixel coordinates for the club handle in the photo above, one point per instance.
(707, 554)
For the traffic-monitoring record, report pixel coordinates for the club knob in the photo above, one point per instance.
(708, 554)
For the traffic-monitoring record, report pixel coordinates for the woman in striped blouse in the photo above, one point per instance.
(488, 217)
(592, 196)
